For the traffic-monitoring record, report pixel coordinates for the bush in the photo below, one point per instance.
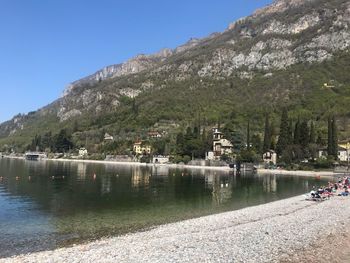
(323, 163)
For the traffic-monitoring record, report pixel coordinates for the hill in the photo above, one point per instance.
(292, 54)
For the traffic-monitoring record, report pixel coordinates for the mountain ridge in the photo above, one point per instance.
(258, 48)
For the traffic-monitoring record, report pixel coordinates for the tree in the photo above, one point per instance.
(312, 133)
(267, 135)
(257, 143)
(248, 135)
(297, 133)
(290, 132)
(283, 139)
(63, 141)
(334, 138)
(304, 135)
(330, 137)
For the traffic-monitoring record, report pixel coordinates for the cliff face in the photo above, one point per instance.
(284, 34)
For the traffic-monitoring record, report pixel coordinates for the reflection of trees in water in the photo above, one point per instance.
(105, 184)
(270, 183)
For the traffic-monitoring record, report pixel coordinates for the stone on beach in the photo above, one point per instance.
(280, 231)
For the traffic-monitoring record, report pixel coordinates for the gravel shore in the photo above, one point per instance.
(290, 230)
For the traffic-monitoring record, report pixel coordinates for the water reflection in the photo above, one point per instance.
(57, 203)
(140, 177)
(270, 183)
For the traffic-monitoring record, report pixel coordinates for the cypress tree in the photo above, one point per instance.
(283, 139)
(304, 136)
(290, 132)
(297, 133)
(312, 133)
(330, 137)
(334, 138)
(248, 135)
(267, 135)
(319, 140)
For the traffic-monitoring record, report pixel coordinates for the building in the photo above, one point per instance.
(155, 134)
(221, 146)
(83, 152)
(160, 159)
(343, 153)
(108, 137)
(141, 148)
(270, 157)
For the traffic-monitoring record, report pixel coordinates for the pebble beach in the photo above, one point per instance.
(290, 230)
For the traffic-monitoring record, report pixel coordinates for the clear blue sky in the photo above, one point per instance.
(45, 45)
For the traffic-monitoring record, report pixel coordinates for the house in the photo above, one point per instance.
(154, 134)
(270, 157)
(108, 137)
(141, 148)
(343, 153)
(83, 152)
(221, 146)
(160, 159)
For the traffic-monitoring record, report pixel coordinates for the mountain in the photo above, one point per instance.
(283, 55)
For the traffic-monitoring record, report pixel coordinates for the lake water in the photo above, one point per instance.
(47, 204)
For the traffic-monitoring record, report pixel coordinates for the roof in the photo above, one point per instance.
(226, 143)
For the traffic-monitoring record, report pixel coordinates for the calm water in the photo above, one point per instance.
(45, 204)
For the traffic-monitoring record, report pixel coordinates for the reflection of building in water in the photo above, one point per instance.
(160, 170)
(270, 183)
(81, 171)
(140, 177)
(221, 187)
(105, 184)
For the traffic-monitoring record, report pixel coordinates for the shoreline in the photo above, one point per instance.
(260, 171)
(289, 230)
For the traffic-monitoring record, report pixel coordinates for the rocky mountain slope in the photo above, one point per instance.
(261, 60)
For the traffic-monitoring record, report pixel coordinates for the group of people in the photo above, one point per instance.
(340, 188)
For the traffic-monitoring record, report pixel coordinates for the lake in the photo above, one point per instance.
(49, 204)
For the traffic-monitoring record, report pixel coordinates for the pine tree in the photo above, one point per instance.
(267, 135)
(283, 139)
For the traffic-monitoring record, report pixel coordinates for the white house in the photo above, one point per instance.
(160, 159)
(83, 152)
(221, 146)
(343, 153)
(270, 157)
(108, 137)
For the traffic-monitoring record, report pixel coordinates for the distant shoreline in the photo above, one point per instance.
(260, 171)
(175, 166)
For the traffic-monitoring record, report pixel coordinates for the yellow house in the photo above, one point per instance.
(140, 148)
